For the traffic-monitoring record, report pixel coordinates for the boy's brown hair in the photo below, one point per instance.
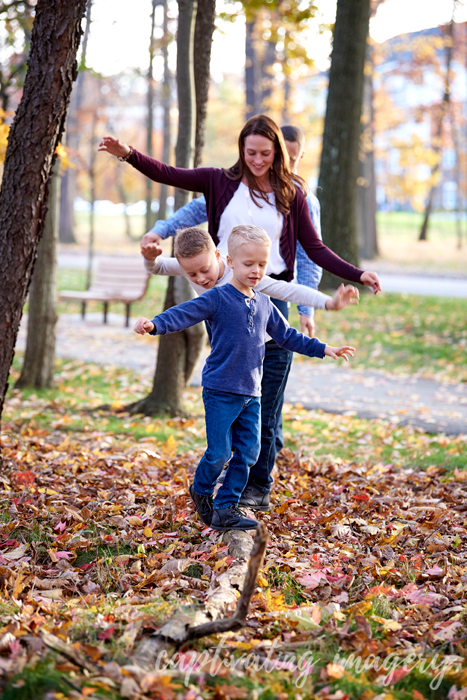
(192, 241)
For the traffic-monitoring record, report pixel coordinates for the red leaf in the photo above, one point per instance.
(25, 477)
(361, 497)
(106, 634)
(85, 567)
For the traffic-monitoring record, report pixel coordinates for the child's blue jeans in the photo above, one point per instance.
(233, 422)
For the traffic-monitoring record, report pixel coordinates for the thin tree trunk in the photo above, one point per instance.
(39, 358)
(337, 186)
(437, 146)
(92, 212)
(72, 141)
(178, 352)
(33, 138)
(150, 121)
(366, 214)
(204, 29)
(457, 174)
(267, 75)
(166, 105)
(252, 79)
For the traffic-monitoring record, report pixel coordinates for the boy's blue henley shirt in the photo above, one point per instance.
(239, 327)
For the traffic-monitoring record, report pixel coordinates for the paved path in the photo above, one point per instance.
(433, 406)
(416, 283)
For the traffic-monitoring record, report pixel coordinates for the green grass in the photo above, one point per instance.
(407, 225)
(400, 333)
(356, 439)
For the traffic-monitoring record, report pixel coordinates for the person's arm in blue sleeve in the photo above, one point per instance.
(185, 315)
(291, 339)
(192, 214)
(308, 272)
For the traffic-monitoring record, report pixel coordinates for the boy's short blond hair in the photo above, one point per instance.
(247, 233)
(192, 241)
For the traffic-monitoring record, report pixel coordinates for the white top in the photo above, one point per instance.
(242, 210)
(278, 289)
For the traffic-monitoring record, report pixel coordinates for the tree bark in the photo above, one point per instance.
(34, 136)
(150, 117)
(337, 186)
(39, 358)
(366, 213)
(166, 105)
(437, 146)
(72, 138)
(252, 79)
(204, 29)
(178, 352)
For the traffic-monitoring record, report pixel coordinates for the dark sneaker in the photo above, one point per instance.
(231, 519)
(203, 505)
(254, 498)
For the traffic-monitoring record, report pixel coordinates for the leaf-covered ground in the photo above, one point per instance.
(362, 595)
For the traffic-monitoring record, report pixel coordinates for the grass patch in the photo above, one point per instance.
(399, 333)
(318, 435)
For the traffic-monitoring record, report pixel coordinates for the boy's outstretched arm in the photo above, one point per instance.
(185, 315)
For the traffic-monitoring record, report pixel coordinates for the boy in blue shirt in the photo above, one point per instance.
(240, 318)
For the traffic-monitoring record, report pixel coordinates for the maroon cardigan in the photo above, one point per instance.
(218, 190)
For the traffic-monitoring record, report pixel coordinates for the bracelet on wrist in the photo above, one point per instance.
(124, 159)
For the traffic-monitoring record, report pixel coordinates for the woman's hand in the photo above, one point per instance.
(342, 298)
(371, 279)
(143, 325)
(113, 146)
(343, 351)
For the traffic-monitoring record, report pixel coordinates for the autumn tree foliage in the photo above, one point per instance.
(33, 138)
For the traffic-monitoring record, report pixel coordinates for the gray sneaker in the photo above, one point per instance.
(254, 499)
(203, 505)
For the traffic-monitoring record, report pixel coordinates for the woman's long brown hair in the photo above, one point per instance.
(283, 181)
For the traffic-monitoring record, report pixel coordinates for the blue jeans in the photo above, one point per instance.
(232, 423)
(276, 369)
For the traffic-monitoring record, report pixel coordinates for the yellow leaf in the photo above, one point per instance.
(170, 446)
(272, 604)
(335, 670)
(262, 581)
(147, 532)
(360, 608)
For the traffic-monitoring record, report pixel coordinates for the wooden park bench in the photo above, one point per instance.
(118, 279)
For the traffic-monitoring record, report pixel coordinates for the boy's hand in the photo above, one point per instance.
(342, 298)
(343, 351)
(151, 251)
(371, 279)
(113, 146)
(143, 325)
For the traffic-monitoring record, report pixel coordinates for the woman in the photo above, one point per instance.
(260, 189)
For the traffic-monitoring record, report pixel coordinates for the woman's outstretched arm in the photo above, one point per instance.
(323, 256)
(194, 180)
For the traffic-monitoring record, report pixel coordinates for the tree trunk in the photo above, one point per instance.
(150, 121)
(267, 74)
(337, 186)
(72, 138)
(166, 105)
(33, 138)
(366, 213)
(204, 29)
(178, 352)
(437, 147)
(252, 80)
(38, 365)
